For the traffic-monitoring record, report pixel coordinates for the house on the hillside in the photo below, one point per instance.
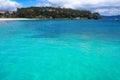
(2, 11)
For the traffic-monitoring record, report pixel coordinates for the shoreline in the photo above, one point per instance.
(9, 19)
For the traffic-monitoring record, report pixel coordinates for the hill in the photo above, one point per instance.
(52, 13)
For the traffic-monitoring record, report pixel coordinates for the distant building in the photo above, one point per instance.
(2, 11)
(11, 12)
(77, 18)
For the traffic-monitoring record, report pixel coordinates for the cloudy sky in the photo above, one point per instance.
(104, 7)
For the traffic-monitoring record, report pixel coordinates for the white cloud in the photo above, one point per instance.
(111, 11)
(101, 6)
(9, 5)
(84, 3)
(42, 3)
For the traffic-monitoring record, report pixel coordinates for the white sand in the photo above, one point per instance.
(4, 19)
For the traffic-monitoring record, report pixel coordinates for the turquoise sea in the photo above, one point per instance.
(60, 50)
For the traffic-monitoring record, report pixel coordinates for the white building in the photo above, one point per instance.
(2, 12)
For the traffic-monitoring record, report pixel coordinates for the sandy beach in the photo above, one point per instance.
(2, 19)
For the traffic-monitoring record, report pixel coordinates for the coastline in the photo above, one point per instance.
(4, 19)
(8, 19)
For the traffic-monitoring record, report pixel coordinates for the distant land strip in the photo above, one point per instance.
(50, 13)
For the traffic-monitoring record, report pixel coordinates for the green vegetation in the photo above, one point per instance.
(52, 13)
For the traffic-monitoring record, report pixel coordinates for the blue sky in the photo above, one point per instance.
(26, 3)
(104, 7)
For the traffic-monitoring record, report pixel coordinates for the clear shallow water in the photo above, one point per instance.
(60, 50)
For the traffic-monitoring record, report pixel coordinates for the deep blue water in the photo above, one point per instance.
(60, 50)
